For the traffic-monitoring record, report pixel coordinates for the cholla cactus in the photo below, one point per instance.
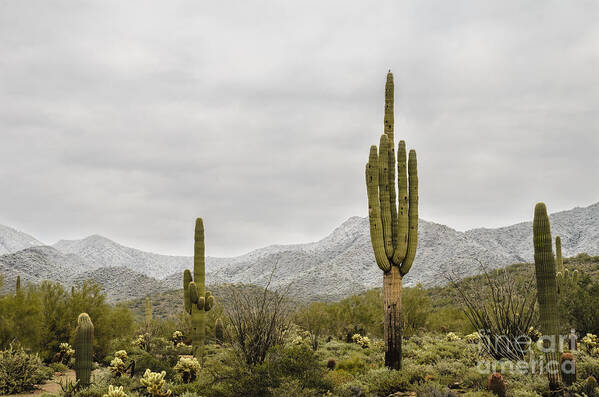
(472, 338)
(534, 334)
(590, 342)
(362, 341)
(451, 337)
(154, 383)
(114, 391)
(177, 338)
(65, 353)
(118, 367)
(143, 342)
(122, 354)
(188, 369)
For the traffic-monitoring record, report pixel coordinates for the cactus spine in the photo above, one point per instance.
(148, 316)
(547, 290)
(393, 225)
(197, 300)
(84, 338)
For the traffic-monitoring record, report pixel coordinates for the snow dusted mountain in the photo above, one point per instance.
(339, 265)
(98, 251)
(12, 240)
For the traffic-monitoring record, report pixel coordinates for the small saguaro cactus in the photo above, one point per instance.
(198, 301)
(84, 338)
(148, 314)
(219, 331)
(393, 224)
(547, 291)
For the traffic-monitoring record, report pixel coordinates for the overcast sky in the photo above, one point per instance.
(129, 119)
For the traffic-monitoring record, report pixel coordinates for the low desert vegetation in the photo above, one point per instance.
(316, 349)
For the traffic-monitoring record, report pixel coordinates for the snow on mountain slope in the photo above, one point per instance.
(12, 240)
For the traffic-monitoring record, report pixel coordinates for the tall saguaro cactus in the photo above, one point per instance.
(84, 338)
(393, 222)
(198, 301)
(547, 291)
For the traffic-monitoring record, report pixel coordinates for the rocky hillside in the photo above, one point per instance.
(12, 240)
(339, 265)
(98, 251)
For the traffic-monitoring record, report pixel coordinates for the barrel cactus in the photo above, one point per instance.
(547, 291)
(393, 222)
(84, 338)
(198, 301)
(496, 384)
(568, 368)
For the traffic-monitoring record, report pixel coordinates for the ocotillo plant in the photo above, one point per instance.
(547, 291)
(84, 338)
(197, 300)
(148, 314)
(393, 227)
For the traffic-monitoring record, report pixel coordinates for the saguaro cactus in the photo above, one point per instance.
(547, 291)
(393, 225)
(148, 316)
(84, 338)
(197, 300)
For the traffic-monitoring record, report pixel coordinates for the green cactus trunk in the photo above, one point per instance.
(219, 331)
(559, 261)
(393, 222)
(197, 300)
(84, 338)
(547, 291)
(148, 314)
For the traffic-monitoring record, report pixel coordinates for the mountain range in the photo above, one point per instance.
(339, 265)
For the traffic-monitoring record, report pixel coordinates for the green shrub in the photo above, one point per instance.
(20, 372)
(382, 381)
(354, 365)
(59, 367)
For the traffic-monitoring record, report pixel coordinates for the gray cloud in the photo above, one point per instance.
(128, 119)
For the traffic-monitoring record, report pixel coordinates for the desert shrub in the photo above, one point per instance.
(257, 318)
(298, 362)
(382, 381)
(339, 377)
(587, 366)
(294, 388)
(20, 372)
(59, 367)
(354, 365)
